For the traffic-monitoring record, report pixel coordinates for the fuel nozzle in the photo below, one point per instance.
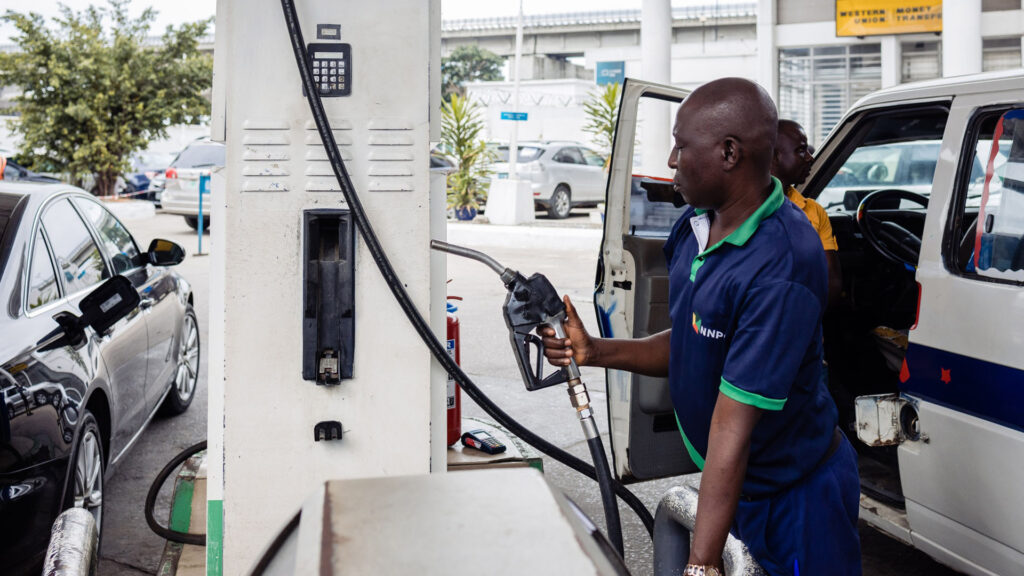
(529, 303)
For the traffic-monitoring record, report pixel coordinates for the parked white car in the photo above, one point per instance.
(182, 179)
(561, 174)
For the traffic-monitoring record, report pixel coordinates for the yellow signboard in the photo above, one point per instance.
(874, 17)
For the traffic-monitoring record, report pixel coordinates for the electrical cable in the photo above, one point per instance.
(402, 297)
(154, 490)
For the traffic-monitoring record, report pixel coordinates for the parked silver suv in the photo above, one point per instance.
(562, 174)
(181, 191)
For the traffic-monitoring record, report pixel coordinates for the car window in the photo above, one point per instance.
(526, 153)
(569, 156)
(437, 161)
(117, 241)
(11, 173)
(7, 204)
(592, 158)
(990, 240)
(42, 281)
(889, 150)
(200, 156)
(77, 255)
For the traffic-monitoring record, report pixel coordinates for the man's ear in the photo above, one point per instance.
(732, 153)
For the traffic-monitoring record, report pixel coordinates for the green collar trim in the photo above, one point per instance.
(741, 235)
(694, 455)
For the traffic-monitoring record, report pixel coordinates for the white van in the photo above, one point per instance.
(924, 186)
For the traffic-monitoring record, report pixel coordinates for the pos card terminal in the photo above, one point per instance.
(482, 441)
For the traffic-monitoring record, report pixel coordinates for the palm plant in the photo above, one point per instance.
(602, 110)
(460, 133)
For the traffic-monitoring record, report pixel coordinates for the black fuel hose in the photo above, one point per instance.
(154, 490)
(422, 328)
(611, 506)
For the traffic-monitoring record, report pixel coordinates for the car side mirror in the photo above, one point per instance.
(165, 253)
(101, 309)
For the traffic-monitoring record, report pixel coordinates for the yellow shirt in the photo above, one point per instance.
(816, 214)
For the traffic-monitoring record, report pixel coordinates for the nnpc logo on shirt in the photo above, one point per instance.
(698, 327)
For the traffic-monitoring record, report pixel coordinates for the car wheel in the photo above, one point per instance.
(561, 203)
(87, 486)
(193, 222)
(186, 374)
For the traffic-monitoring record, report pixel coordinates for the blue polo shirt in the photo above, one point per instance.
(746, 322)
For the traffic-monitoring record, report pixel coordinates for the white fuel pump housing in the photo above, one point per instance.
(273, 273)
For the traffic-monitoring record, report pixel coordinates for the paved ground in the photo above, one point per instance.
(568, 257)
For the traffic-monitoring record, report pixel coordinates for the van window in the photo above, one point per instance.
(77, 255)
(895, 150)
(990, 239)
(647, 217)
(652, 212)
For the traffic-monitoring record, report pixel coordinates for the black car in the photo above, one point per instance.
(70, 412)
(14, 172)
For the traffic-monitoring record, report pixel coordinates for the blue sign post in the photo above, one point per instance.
(610, 73)
(514, 116)
(204, 188)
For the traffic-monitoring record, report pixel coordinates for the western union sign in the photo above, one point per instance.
(874, 17)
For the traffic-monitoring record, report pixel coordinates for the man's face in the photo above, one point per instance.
(693, 159)
(793, 156)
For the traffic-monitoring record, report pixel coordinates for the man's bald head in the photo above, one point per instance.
(730, 127)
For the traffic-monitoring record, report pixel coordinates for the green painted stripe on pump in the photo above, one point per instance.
(215, 538)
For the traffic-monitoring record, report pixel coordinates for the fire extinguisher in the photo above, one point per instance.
(454, 392)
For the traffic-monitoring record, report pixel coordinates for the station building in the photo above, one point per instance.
(817, 57)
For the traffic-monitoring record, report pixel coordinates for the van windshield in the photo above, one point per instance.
(894, 151)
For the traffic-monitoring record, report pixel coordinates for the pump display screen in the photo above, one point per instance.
(331, 65)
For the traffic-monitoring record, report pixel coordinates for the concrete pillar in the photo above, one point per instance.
(961, 37)
(892, 61)
(767, 54)
(656, 66)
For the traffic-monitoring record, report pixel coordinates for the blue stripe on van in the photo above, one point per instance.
(984, 389)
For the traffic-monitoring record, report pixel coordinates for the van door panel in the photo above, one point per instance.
(632, 301)
(965, 373)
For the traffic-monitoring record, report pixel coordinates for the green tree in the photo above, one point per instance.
(467, 64)
(95, 91)
(602, 110)
(460, 133)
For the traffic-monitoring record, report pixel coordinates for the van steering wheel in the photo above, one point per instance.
(894, 242)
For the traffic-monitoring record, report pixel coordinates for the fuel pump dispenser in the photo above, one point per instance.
(304, 330)
(303, 373)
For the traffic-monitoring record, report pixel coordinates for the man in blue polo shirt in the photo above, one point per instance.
(747, 287)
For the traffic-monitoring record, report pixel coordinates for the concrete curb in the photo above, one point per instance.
(131, 209)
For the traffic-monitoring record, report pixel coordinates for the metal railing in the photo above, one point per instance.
(673, 524)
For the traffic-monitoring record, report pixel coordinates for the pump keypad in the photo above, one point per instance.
(331, 65)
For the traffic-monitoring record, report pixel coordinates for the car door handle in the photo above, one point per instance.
(146, 303)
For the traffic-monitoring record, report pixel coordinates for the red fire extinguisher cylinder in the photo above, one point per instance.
(454, 391)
